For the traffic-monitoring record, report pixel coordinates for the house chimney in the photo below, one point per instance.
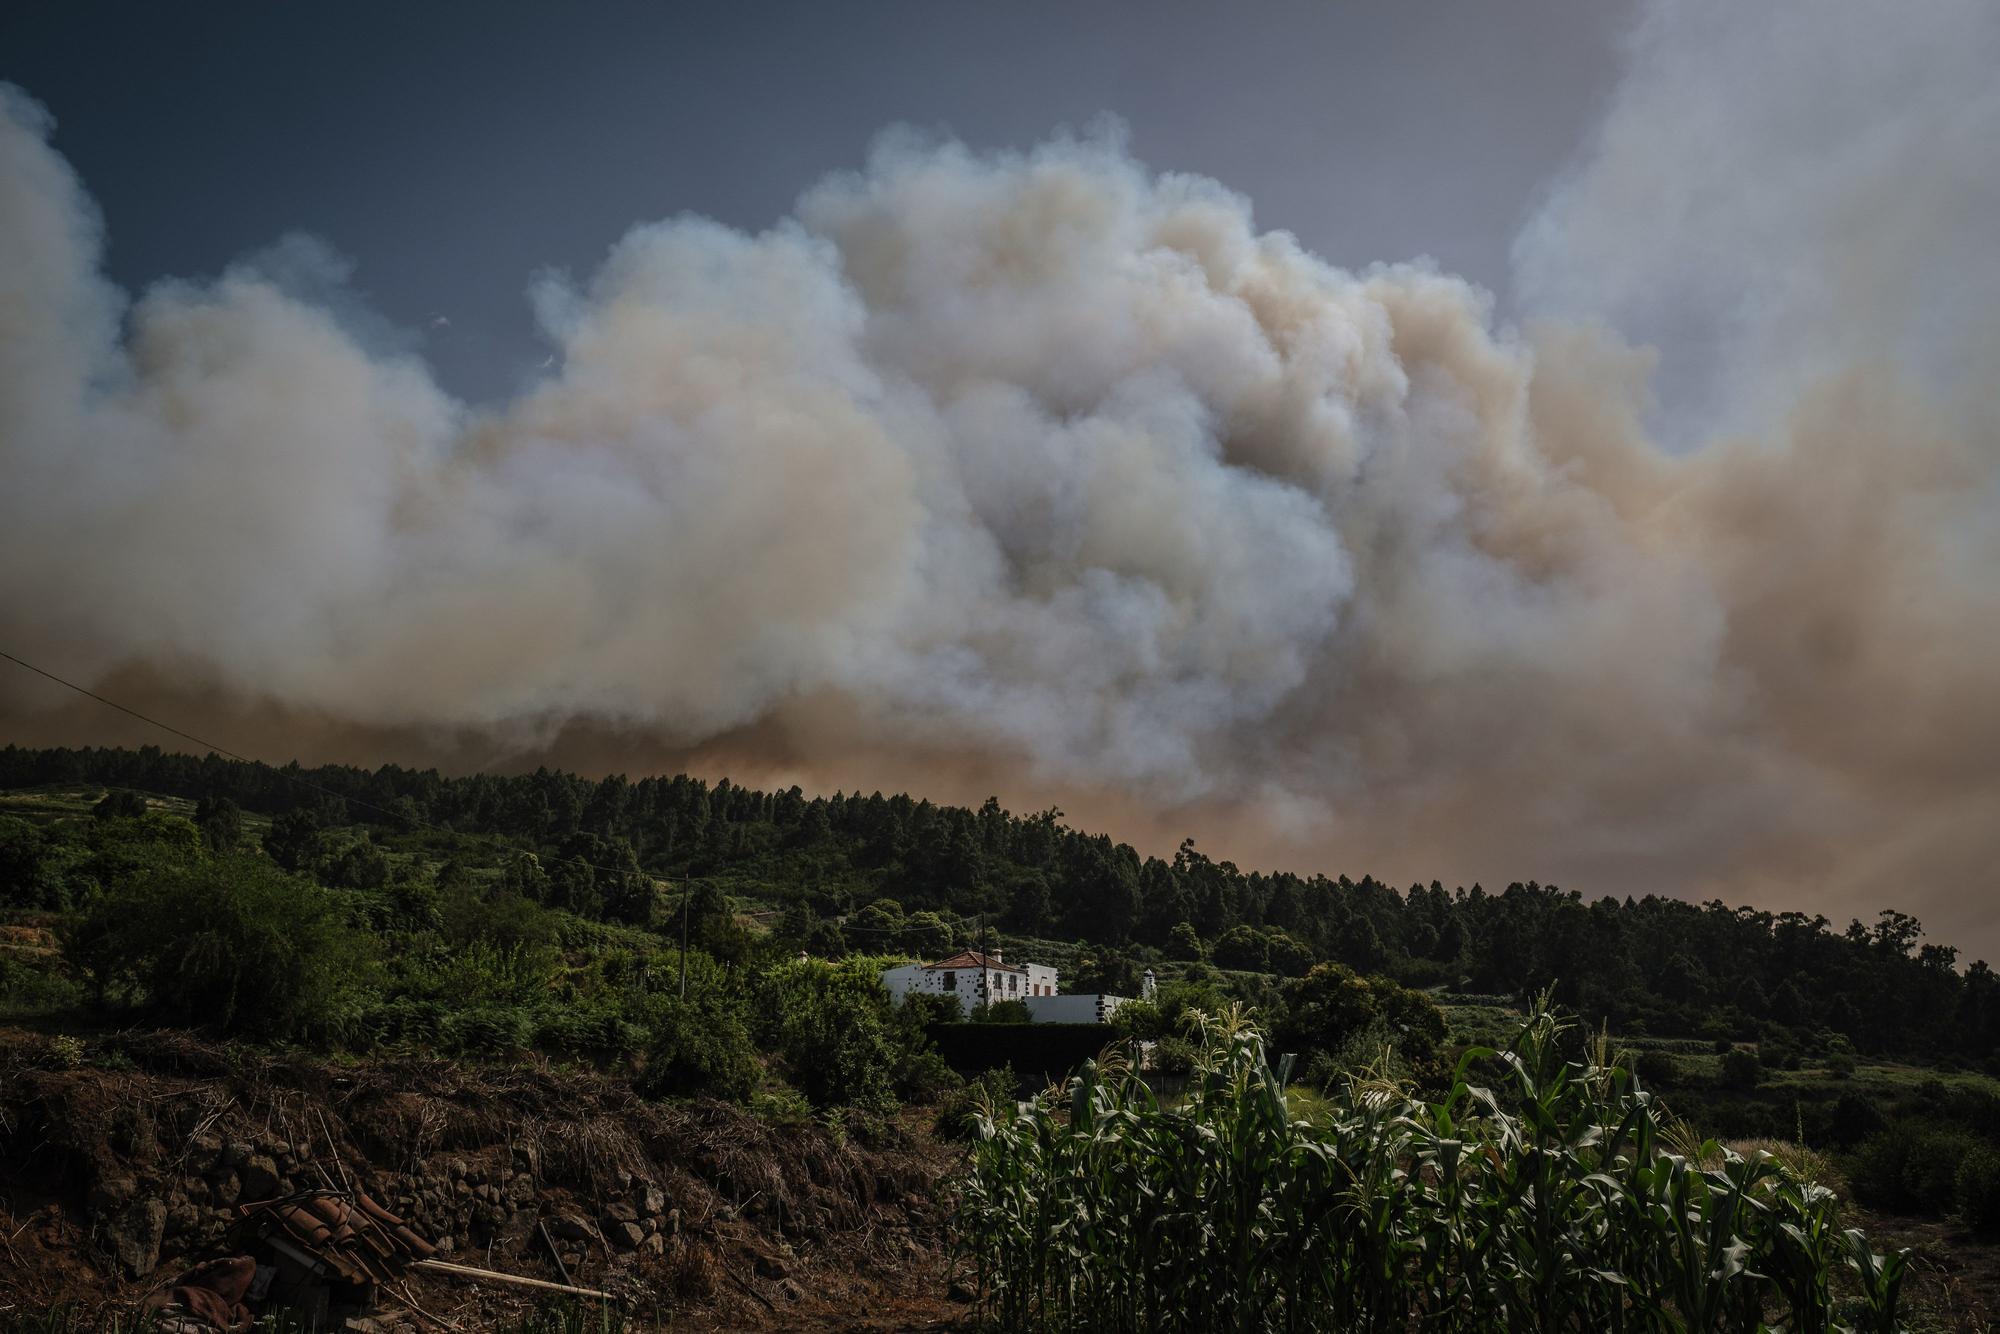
(996, 957)
(1148, 985)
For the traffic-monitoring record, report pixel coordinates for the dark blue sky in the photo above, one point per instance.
(451, 150)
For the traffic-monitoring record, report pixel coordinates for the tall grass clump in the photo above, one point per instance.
(1560, 1198)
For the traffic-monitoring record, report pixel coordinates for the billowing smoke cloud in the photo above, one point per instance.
(1046, 475)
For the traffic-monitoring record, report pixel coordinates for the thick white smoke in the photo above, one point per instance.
(1042, 472)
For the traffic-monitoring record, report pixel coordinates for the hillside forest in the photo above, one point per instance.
(488, 916)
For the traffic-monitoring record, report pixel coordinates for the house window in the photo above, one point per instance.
(951, 981)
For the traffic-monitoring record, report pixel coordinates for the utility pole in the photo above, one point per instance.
(686, 895)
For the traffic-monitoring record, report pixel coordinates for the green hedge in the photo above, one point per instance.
(1040, 1054)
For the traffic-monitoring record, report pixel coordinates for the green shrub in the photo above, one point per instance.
(832, 1028)
(30, 867)
(1741, 1069)
(599, 1031)
(1910, 1168)
(33, 987)
(1242, 947)
(699, 1045)
(1930, 1167)
(233, 943)
(1656, 1069)
(1332, 1005)
(1874, 1172)
(1288, 957)
(1003, 1012)
(120, 804)
(1976, 1189)
(1778, 1052)
(488, 1030)
(486, 973)
(957, 1115)
(403, 1021)
(1840, 1064)
(1854, 1118)
(781, 1105)
(1140, 1019)
(1174, 1055)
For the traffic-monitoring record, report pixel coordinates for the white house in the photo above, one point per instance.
(975, 979)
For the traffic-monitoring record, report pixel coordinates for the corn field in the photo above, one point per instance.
(1570, 1201)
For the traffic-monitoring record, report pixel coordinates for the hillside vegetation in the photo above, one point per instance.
(541, 918)
(819, 864)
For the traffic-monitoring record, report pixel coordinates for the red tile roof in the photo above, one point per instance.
(974, 959)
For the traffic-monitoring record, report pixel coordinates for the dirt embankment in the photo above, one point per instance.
(698, 1215)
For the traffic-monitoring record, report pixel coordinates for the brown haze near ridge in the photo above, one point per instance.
(1046, 476)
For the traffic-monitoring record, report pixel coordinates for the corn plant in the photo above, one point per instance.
(1552, 1199)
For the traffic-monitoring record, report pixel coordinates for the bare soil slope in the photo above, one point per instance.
(699, 1215)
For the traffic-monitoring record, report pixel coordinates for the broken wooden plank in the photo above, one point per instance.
(495, 1276)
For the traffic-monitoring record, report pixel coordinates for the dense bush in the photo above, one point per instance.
(1331, 1006)
(1242, 947)
(1976, 1188)
(31, 989)
(488, 1031)
(233, 944)
(30, 867)
(832, 1029)
(1658, 1069)
(1910, 1168)
(1003, 1012)
(700, 1045)
(1741, 1069)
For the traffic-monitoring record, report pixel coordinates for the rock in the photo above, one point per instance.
(625, 1236)
(651, 1200)
(111, 1194)
(181, 1220)
(770, 1266)
(620, 1212)
(655, 1244)
(259, 1177)
(455, 1168)
(133, 1236)
(225, 1192)
(570, 1227)
(961, 1291)
(447, 1244)
(791, 1290)
(526, 1159)
(671, 1223)
(236, 1152)
(521, 1190)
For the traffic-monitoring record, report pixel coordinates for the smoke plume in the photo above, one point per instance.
(1044, 474)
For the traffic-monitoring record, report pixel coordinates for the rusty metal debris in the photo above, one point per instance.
(324, 1255)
